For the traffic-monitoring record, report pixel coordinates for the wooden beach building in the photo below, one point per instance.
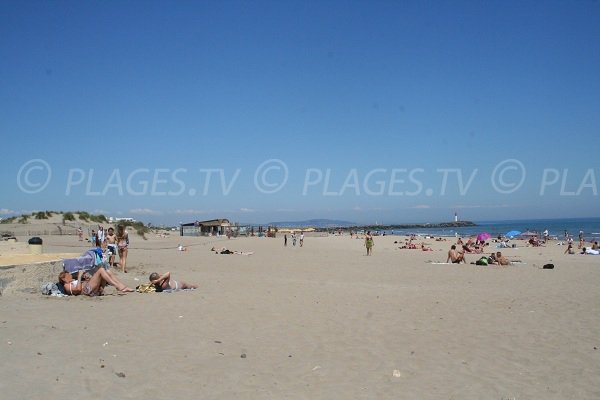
(205, 228)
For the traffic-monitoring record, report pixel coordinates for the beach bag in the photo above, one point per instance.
(548, 266)
(53, 289)
(482, 261)
(49, 288)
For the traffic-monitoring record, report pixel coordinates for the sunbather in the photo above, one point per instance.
(225, 250)
(164, 282)
(92, 285)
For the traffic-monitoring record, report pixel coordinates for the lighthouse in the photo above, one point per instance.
(455, 217)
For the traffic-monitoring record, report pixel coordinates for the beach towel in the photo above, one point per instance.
(51, 289)
(146, 288)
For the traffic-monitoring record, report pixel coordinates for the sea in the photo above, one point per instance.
(556, 228)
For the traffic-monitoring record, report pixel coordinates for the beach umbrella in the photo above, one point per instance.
(483, 236)
(511, 234)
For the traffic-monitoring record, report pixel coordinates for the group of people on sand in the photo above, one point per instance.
(93, 285)
(458, 256)
(293, 236)
(594, 249)
(111, 242)
(408, 244)
(472, 245)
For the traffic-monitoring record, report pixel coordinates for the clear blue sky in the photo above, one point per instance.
(375, 109)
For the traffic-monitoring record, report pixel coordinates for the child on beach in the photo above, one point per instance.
(111, 246)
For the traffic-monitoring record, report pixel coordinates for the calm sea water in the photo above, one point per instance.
(556, 227)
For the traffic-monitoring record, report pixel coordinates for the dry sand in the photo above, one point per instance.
(319, 322)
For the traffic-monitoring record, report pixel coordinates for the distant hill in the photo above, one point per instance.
(313, 223)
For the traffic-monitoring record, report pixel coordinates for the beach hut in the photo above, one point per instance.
(205, 228)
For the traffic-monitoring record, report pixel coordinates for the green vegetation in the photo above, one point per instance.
(84, 216)
(140, 228)
(68, 216)
(40, 215)
(99, 218)
(87, 217)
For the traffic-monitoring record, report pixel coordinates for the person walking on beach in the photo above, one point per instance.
(369, 243)
(301, 239)
(285, 240)
(293, 239)
(123, 245)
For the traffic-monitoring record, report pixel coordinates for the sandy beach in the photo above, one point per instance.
(319, 322)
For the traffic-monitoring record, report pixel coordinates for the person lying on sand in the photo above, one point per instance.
(164, 282)
(225, 250)
(90, 285)
(586, 250)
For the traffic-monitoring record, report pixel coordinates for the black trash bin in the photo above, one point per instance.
(35, 245)
(35, 240)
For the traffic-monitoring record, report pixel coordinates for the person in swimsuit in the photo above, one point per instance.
(164, 282)
(111, 245)
(91, 285)
(454, 256)
(369, 243)
(122, 244)
(501, 260)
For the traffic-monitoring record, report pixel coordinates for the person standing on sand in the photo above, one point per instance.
(80, 234)
(111, 245)
(369, 243)
(284, 240)
(123, 245)
(301, 239)
(101, 235)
